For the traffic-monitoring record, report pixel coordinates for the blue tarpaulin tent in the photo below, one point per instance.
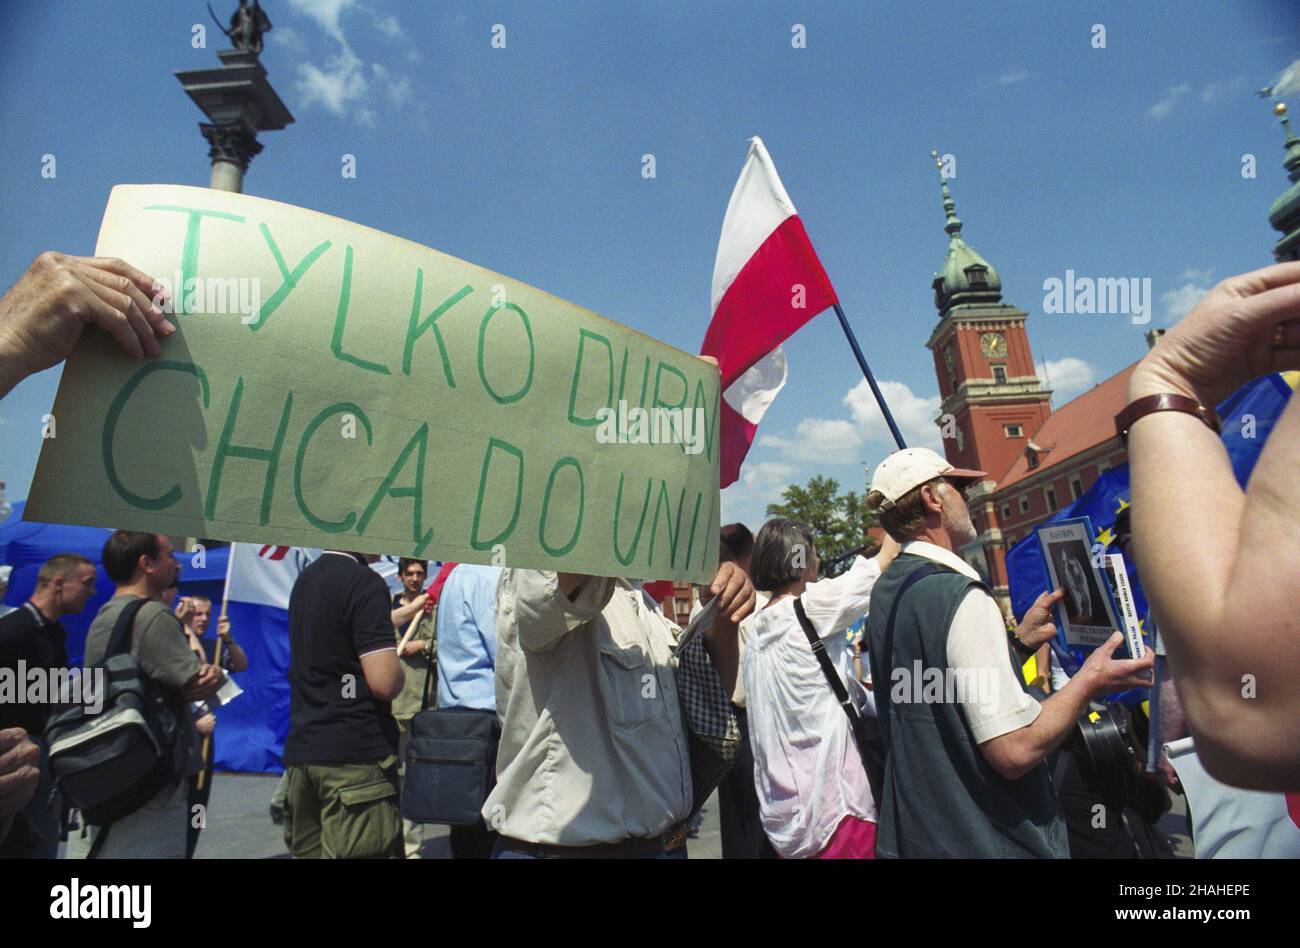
(26, 545)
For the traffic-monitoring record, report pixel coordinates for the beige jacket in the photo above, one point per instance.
(593, 746)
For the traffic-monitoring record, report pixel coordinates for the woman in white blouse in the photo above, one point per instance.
(812, 788)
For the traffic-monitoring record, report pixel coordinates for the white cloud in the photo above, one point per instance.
(767, 474)
(863, 438)
(1066, 377)
(389, 26)
(1012, 76)
(1179, 301)
(341, 84)
(398, 90)
(289, 38)
(1166, 105)
(760, 483)
(326, 14)
(1287, 81)
(914, 414)
(1219, 91)
(829, 440)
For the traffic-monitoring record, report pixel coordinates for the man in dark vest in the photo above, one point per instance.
(965, 772)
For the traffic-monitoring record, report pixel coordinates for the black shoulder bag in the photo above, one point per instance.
(866, 730)
(451, 762)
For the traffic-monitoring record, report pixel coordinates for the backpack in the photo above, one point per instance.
(109, 764)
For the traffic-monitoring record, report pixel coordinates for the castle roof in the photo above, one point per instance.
(1075, 427)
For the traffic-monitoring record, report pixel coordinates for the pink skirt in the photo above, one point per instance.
(854, 838)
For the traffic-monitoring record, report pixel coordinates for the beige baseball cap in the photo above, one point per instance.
(911, 467)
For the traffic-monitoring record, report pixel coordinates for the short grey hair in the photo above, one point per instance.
(776, 550)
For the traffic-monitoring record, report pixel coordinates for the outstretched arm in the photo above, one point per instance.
(1220, 565)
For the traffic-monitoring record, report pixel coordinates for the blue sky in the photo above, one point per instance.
(1123, 161)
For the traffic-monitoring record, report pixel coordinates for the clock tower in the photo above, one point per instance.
(992, 399)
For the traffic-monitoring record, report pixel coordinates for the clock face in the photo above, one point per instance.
(994, 344)
(948, 356)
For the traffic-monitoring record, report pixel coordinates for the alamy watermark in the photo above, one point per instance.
(1120, 296)
(211, 295)
(638, 425)
(52, 686)
(921, 685)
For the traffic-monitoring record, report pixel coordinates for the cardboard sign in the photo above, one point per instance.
(333, 386)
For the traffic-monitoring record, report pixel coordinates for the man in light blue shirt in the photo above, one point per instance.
(467, 657)
(467, 651)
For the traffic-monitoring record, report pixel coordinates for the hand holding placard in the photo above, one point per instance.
(333, 386)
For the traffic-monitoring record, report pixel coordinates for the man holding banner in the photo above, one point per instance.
(594, 760)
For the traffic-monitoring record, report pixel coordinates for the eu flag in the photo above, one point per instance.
(1249, 416)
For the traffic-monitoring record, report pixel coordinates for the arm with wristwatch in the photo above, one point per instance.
(1230, 612)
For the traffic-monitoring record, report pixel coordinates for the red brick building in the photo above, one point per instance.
(996, 412)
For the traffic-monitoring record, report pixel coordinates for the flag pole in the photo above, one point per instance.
(871, 379)
(206, 749)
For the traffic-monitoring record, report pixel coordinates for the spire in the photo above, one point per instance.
(1284, 215)
(953, 224)
(965, 276)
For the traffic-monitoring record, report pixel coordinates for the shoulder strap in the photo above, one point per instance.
(887, 659)
(430, 675)
(101, 838)
(868, 750)
(912, 578)
(828, 667)
(119, 643)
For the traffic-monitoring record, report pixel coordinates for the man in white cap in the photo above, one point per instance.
(965, 744)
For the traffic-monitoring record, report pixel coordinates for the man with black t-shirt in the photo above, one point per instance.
(33, 634)
(341, 752)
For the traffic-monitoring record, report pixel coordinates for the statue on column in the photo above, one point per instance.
(247, 24)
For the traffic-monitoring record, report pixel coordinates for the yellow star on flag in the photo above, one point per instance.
(1123, 505)
(1105, 537)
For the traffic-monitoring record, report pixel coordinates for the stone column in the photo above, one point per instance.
(238, 101)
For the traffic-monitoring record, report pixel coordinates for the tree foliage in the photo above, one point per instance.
(839, 522)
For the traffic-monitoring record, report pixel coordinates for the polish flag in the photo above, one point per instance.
(767, 282)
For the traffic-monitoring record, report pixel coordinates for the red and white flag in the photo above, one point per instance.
(767, 282)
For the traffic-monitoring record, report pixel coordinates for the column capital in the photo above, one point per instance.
(231, 142)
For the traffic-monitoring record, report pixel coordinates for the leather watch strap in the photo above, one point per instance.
(1165, 401)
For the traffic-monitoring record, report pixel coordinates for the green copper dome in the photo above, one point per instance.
(1284, 215)
(965, 276)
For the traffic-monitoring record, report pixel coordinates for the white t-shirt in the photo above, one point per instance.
(807, 770)
(977, 652)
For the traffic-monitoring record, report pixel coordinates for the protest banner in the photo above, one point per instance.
(333, 386)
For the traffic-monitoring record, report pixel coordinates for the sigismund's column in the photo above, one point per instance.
(237, 99)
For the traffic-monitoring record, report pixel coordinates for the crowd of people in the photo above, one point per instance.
(615, 725)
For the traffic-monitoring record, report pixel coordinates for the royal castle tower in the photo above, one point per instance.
(992, 399)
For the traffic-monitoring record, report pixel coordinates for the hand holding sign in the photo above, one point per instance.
(1037, 627)
(331, 385)
(42, 315)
